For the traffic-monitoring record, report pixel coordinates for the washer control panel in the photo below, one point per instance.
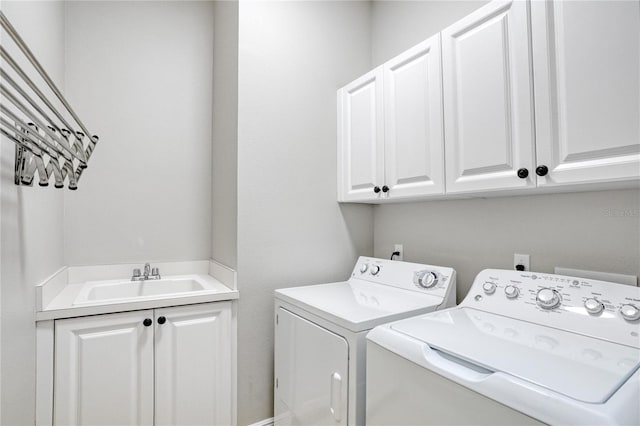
(437, 280)
(596, 308)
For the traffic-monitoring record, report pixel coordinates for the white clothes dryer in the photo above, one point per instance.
(320, 335)
(522, 348)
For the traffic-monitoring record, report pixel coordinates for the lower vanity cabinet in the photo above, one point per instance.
(167, 366)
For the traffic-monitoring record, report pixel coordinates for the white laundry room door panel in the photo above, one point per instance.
(104, 370)
(586, 57)
(193, 365)
(414, 134)
(361, 138)
(488, 110)
(311, 371)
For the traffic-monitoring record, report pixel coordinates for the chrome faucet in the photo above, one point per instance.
(149, 274)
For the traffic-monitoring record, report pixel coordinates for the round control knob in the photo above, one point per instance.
(364, 268)
(548, 298)
(385, 189)
(162, 320)
(376, 189)
(542, 170)
(593, 306)
(630, 312)
(523, 173)
(511, 291)
(147, 322)
(428, 280)
(375, 269)
(489, 287)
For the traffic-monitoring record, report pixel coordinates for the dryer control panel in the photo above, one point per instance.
(436, 280)
(599, 309)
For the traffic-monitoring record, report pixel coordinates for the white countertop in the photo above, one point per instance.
(57, 296)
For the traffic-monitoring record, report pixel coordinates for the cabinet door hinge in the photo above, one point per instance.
(276, 383)
(277, 319)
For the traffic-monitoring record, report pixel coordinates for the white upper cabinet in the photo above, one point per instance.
(488, 100)
(360, 138)
(414, 157)
(586, 58)
(517, 95)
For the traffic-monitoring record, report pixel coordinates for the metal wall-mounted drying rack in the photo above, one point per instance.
(59, 148)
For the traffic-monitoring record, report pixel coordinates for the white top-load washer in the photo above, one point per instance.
(521, 348)
(320, 335)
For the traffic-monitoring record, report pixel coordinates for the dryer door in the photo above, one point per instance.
(311, 373)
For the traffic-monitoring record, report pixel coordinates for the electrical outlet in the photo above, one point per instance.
(398, 248)
(521, 259)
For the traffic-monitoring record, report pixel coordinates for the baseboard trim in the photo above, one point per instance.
(265, 422)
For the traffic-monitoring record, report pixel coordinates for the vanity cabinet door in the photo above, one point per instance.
(361, 139)
(586, 57)
(193, 365)
(104, 370)
(488, 98)
(414, 136)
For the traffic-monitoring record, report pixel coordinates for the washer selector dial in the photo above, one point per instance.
(630, 312)
(489, 287)
(364, 268)
(593, 306)
(511, 291)
(548, 298)
(426, 279)
(375, 269)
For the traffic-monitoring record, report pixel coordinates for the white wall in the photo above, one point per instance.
(293, 57)
(591, 230)
(224, 212)
(31, 228)
(141, 73)
(399, 24)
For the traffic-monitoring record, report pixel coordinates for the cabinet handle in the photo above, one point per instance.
(376, 189)
(147, 322)
(385, 189)
(523, 173)
(542, 170)
(161, 320)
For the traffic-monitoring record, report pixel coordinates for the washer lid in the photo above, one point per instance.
(358, 305)
(580, 367)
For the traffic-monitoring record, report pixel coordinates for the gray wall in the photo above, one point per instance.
(591, 230)
(224, 149)
(32, 225)
(141, 73)
(293, 58)
(397, 25)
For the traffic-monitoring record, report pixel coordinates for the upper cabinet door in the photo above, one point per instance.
(104, 370)
(586, 57)
(414, 135)
(193, 365)
(360, 138)
(488, 99)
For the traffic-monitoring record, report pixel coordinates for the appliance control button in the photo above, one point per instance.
(593, 306)
(630, 312)
(364, 268)
(548, 298)
(427, 279)
(511, 291)
(375, 269)
(489, 287)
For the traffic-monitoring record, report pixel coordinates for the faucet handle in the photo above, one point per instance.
(155, 271)
(136, 272)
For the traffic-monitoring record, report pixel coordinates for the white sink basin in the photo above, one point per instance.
(115, 291)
